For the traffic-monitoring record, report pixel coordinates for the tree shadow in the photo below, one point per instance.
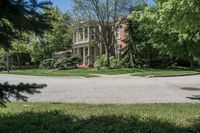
(58, 122)
(190, 88)
(194, 97)
(17, 92)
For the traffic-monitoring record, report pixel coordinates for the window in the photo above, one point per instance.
(117, 33)
(93, 35)
(86, 33)
(80, 34)
(117, 50)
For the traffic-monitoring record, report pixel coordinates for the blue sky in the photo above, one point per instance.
(65, 5)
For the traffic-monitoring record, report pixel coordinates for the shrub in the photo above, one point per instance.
(75, 60)
(101, 61)
(47, 64)
(67, 63)
(61, 64)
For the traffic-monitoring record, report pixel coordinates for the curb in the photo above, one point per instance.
(175, 75)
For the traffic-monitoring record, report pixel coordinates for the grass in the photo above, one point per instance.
(94, 72)
(135, 118)
(167, 72)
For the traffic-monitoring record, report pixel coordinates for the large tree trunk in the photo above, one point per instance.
(18, 61)
(190, 58)
(108, 56)
(7, 62)
(191, 62)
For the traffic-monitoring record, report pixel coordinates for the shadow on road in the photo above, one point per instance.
(190, 88)
(194, 97)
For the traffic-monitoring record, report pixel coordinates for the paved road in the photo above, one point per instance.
(109, 89)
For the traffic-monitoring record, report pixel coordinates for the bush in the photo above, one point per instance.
(101, 61)
(67, 63)
(47, 64)
(61, 64)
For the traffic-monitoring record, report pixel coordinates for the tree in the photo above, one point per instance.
(107, 14)
(21, 15)
(139, 50)
(36, 51)
(175, 28)
(60, 36)
(20, 46)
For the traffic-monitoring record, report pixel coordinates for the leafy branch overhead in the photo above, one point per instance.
(17, 91)
(21, 15)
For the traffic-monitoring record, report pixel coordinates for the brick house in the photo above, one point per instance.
(86, 46)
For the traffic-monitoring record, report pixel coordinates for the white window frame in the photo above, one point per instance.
(118, 33)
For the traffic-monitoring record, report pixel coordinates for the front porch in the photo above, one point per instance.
(87, 53)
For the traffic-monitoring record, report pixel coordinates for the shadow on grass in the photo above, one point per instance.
(58, 122)
(17, 92)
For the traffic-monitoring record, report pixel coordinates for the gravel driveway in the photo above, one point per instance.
(113, 89)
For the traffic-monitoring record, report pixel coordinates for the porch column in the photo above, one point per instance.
(88, 33)
(77, 36)
(84, 58)
(95, 54)
(88, 55)
(83, 34)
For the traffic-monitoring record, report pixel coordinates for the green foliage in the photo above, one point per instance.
(2, 52)
(61, 64)
(21, 15)
(101, 61)
(60, 36)
(17, 91)
(36, 52)
(47, 64)
(139, 51)
(174, 27)
(67, 63)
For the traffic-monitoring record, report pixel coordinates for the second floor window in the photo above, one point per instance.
(117, 33)
(81, 34)
(93, 35)
(86, 33)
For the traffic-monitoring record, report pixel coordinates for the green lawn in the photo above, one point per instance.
(166, 72)
(81, 118)
(94, 72)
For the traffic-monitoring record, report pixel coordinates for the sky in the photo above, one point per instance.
(65, 5)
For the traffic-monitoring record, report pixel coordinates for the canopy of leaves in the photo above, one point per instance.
(21, 15)
(174, 26)
(60, 36)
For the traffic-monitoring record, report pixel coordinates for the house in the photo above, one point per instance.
(86, 46)
(62, 54)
